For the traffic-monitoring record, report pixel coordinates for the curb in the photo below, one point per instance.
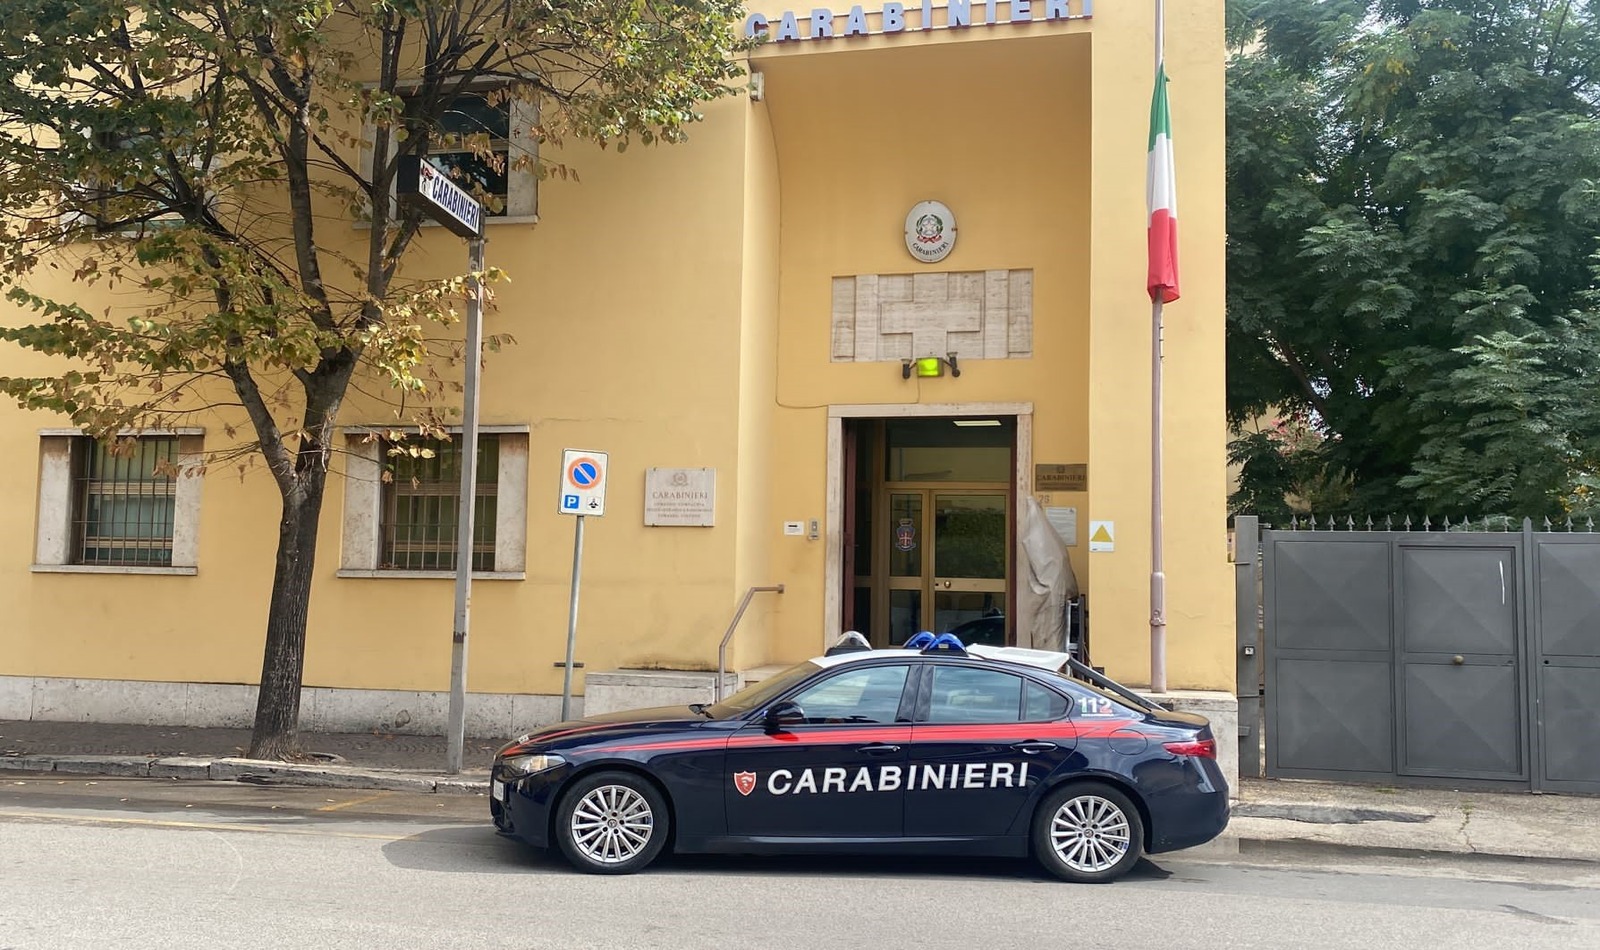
(1257, 845)
(251, 772)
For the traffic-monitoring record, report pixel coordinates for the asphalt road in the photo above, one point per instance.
(138, 863)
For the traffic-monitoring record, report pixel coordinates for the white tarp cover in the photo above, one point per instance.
(1050, 577)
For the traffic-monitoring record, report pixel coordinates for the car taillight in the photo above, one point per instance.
(1200, 748)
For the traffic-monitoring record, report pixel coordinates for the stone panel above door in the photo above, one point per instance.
(977, 315)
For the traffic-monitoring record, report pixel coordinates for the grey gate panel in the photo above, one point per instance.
(1459, 692)
(1329, 647)
(1567, 660)
(1428, 656)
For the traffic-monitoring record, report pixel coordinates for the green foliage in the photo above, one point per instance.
(198, 142)
(1413, 218)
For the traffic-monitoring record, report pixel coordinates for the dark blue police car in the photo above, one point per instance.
(936, 749)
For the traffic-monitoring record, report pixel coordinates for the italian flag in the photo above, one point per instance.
(1161, 197)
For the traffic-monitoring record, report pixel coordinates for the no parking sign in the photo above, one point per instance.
(583, 483)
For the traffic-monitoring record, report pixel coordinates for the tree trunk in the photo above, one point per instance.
(277, 725)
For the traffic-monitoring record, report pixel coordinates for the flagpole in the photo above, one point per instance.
(1158, 578)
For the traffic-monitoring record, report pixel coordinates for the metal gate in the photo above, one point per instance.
(1425, 656)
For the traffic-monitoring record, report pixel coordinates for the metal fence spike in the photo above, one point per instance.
(1590, 525)
(1388, 522)
(1447, 522)
(1330, 522)
(1505, 523)
(1294, 523)
(1547, 523)
(1569, 523)
(1369, 522)
(1349, 522)
(1427, 522)
(1408, 522)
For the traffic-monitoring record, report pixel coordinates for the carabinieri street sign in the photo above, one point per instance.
(440, 198)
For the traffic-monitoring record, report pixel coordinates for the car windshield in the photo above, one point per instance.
(759, 694)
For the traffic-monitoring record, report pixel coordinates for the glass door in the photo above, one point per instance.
(948, 563)
(969, 565)
(908, 564)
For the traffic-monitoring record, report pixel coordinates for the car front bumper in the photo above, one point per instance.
(521, 807)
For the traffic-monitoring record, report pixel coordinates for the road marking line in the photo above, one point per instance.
(354, 801)
(199, 825)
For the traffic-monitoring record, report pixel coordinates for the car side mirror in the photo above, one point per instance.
(786, 713)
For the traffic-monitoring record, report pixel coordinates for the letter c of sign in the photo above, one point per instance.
(756, 25)
(772, 782)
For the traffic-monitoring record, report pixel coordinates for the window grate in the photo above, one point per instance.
(420, 503)
(125, 501)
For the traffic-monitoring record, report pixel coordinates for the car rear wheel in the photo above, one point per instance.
(612, 823)
(1088, 833)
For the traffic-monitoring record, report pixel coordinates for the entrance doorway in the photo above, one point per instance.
(928, 533)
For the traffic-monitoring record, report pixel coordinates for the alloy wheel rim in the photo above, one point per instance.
(1090, 834)
(612, 824)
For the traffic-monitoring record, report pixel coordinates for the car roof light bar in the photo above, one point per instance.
(947, 643)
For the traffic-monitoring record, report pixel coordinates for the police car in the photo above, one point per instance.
(939, 748)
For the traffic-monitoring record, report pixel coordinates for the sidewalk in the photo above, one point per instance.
(340, 760)
(1268, 812)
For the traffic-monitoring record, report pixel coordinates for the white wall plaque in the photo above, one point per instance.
(680, 497)
(930, 231)
(1065, 521)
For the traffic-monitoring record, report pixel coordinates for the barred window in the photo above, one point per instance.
(421, 497)
(124, 500)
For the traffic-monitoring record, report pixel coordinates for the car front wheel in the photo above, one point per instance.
(612, 823)
(1088, 833)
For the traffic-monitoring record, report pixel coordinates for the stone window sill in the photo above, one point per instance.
(430, 575)
(111, 569)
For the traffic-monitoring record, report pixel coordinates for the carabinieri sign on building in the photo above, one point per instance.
(441, 199)
(958, 14)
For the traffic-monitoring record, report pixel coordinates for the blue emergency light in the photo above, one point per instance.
(946, 643)
(920, 641)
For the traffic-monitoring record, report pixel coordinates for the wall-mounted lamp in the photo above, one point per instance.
(930, 366)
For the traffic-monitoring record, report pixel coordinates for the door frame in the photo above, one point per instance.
(833, 523)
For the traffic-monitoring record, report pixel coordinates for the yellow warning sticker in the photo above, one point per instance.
(1102, 536)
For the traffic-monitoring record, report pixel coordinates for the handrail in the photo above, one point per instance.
(722, 650)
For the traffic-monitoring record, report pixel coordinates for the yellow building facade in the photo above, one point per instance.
(737, 314)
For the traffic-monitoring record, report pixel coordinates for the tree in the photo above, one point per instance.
(198, 140)
(1414, 218)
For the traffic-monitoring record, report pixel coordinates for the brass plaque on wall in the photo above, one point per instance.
(1061, 477)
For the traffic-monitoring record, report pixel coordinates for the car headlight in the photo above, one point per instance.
(517, 766)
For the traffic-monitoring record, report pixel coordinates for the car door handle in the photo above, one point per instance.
(879, 748)
(1033, 747)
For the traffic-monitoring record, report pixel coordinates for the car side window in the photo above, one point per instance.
(871, 694)
(967, 694)
(1043, 705)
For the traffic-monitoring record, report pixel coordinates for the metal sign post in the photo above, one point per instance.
(443, 200)
(583, 493)
(572, 620)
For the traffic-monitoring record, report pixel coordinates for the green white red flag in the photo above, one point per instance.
(1161, 197)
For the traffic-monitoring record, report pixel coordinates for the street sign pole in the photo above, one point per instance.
(583, 494)
(572, 618)
(430, 190)
(466, 516)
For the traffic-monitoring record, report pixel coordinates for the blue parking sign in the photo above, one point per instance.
(569, 502)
